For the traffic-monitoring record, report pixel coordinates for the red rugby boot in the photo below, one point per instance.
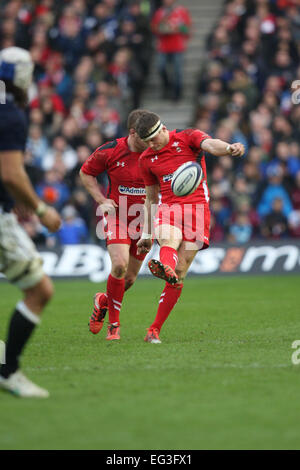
(152, 336)
(163, 271)
(100, 308)
(113, 331)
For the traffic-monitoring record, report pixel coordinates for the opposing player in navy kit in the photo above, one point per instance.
(126, 194)
(19, 260)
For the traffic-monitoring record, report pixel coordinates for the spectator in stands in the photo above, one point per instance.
(240, 193)
(274, 190)
(294, 159)
(60, 151)
(72, 133)
(216, 230)
(254, 52)
(35, 173)
(37, 144)
(220, 211)
(171, 24)
(294, 224)
(295, 193)
(73, 229)
(275, 223)
(55, 74)
(220, 178)
(52, 109)
(52, 189)
(85, 208)
(91, 60)
(68, 37)
(240, 231)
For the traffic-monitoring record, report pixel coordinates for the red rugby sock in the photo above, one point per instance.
(168, 256)
(115, 291)
(167, 301)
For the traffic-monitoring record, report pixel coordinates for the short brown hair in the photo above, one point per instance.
(145, 123)
(134, 117)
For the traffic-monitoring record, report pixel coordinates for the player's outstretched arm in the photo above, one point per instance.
(219, 148)
(16, 180)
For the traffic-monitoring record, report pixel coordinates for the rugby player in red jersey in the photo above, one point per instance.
(181, 224)
(126, 194)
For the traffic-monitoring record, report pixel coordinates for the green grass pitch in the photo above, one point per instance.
(221, 379)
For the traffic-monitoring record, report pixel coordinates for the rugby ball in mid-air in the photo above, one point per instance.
(186, 179)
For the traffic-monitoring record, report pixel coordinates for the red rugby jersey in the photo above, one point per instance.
(122, 169)
(157, 167)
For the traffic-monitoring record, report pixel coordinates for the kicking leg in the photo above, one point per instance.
(169, 238)
(171, 293)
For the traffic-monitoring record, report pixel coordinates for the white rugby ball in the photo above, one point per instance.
(186, 179)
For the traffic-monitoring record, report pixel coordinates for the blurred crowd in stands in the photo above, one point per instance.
(91, 59)
(91, 62)
(246, 94)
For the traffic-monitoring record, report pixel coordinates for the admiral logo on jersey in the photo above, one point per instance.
(131, 191)
(167, 177)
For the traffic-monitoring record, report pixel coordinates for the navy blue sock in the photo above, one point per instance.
(19, 332)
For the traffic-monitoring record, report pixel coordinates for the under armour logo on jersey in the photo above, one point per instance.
(155, 158)
(120, 164)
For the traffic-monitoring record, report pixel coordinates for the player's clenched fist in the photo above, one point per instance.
(236, 150)
(51, 219)
(144, 246)
(108, 206)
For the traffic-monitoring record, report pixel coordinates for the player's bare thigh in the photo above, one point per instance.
(119, 256)
(168, 235)
(186, 253)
